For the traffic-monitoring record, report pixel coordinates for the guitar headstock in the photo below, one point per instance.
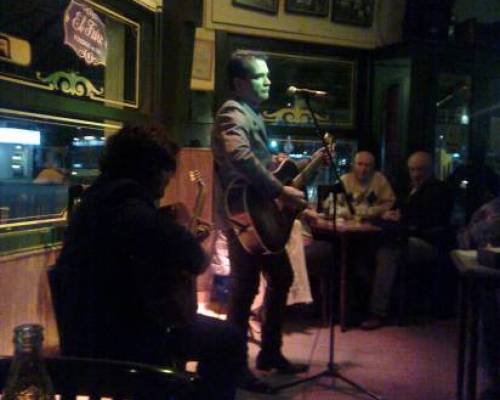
(329, 138)
(195, 176)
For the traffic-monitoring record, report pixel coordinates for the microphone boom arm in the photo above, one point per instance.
(294, 91)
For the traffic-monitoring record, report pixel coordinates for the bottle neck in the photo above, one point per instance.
(27, 352)
(28, 341)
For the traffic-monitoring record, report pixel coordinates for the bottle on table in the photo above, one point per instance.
(28, 377)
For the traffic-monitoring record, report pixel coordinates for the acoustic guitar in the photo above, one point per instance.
(263, 226)
(186, 287)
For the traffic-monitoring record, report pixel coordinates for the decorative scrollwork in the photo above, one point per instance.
(70, 83)
(293, 115)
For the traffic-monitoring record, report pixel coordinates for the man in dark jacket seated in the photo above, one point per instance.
(127, 271)
(425, 216)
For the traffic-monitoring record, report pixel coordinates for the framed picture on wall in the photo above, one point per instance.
(203, 59)
(353, 12)
(318, 8)
(269, 6)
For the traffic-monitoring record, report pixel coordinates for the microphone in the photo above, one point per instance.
(294, 91)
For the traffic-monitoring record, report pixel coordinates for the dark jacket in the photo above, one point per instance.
(239, 143)
(427, 212)
(121, 270)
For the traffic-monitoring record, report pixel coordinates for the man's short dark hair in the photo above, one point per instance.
(138, 152)
(239, 65)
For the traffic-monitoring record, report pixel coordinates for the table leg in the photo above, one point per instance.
(343, 283)
(473, 341)
(462, 319)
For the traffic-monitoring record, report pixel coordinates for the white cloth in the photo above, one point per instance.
(220, 264)
(300, 292)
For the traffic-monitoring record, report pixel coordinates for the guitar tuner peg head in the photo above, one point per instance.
(329, 138)
(194, 175)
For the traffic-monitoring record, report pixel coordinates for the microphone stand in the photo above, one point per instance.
(331, 369)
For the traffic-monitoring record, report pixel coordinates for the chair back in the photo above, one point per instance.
(118, 380)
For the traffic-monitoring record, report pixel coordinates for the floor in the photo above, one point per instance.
(415, 362)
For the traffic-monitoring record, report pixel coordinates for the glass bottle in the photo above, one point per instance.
(28, 377)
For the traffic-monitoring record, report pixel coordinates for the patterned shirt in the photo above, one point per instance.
(376, 195)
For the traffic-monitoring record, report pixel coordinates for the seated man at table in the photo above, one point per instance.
(370, 192)
(127, 271)
(483, 230)
(425, 215)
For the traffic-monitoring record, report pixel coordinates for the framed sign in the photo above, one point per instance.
(318, 8)
(353, 12)
(203, 59)
(269, 6)
(85, 50)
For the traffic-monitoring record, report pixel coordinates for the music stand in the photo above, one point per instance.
(331, 369)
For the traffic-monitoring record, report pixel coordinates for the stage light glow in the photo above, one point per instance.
(464, 119)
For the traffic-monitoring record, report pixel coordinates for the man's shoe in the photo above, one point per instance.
(249, 382)
(279, 363)
(374, 322)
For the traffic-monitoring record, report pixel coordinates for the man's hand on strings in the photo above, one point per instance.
(293, 198)
(311, 216)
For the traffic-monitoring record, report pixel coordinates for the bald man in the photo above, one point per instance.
(429, 203)
(426, 215)
(370, 191)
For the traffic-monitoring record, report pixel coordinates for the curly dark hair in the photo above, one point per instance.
(138, 152)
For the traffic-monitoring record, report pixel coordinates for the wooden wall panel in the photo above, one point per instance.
(25, 297)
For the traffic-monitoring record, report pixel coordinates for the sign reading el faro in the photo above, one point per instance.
(85, 33)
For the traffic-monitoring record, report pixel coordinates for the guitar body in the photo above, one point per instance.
(261, 225)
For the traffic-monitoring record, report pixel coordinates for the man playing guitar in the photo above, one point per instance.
(127, 270)
(242, 158)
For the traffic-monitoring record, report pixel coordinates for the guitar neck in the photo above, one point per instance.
(198, 207)
(300, 180)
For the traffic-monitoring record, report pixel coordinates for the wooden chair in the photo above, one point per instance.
(118, 380)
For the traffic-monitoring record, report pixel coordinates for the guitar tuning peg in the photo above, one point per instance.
(328, 137)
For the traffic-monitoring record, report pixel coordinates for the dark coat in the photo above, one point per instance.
(427, 212)
(120, 271)
(239, 143)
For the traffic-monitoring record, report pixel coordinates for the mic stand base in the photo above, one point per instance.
(331, 372)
